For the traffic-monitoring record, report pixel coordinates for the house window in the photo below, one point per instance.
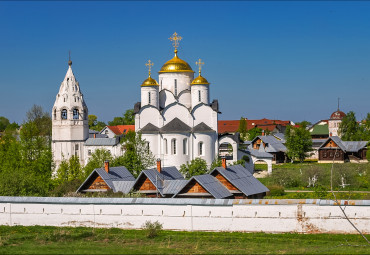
(64, 114)
(184, 146)
(165, 146)
(173, 146)
(89, 152)
(200, 149)
(175, 87)
(149, 98)
(106, 131)
(75, 114)
(199, 95)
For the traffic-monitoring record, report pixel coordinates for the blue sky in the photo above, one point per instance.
(280, 60)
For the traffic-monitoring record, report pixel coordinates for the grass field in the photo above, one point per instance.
(53, 240)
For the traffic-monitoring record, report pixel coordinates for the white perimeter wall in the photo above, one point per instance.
(307, 218)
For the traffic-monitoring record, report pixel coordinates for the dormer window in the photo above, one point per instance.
(64, 114)
(75, 114)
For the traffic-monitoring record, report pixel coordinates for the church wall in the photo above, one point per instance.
(177, 111)
(208, 150)
(184, 98)
(204, 113)
(149, 115)
(166, 98)
(183, 80)
(153, 143)
(204, 94)
(154, 96)
(179, 158)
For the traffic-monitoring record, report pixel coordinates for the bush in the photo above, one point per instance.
(276, 190)
(152, 229)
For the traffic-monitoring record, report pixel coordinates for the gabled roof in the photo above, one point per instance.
(202, 127)
(346, 146)
(115, 175)
(232, 126)
(211, 185)
(176, 125)
(320, 130)
(242, 179)
(162, 179)
(273, 144)
(149, 128)
(102, 141)
(121, 129)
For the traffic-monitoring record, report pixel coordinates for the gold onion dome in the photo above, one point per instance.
(149, 82)
(200, 80)
(176, 65)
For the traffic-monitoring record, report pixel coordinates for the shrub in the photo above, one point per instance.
(276, 190)
(152, 229)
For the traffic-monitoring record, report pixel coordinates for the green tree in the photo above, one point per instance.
(4, 122)
(217, 162)
(253, 133)
(94, 124)
(117, 121)
(197, 166)
(243, 129)
(137, 156)
(70, 170)
(97, 160)
(349, 129)
(127, 119)
(41, 119)
(303, 123)
(298, 142)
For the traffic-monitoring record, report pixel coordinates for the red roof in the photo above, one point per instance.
(231, 126)
(121, 129)
(337, 115)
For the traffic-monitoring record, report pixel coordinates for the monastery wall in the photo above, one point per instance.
(276, 216)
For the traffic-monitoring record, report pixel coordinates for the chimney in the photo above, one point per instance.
(263, 132)
(159, 168)
(94, 135)
(223, 160)
(106, 166)
(330, 134)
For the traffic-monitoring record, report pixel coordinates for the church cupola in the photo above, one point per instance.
(150, 89)
(199, 88)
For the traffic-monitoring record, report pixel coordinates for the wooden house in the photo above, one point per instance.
(334, 149)
(118, 179)
(271, 144)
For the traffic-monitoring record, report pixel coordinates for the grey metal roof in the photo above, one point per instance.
(346, 146)
(202, 127)
(123, 186)
(119, 173)
(102, 141)
(280, 136)
(91, 131)
(160, 179)
(171, 187)
(176, 125)
(273, 144)
(211, 184)
(242, 179)
(149, 128)
(259, 153)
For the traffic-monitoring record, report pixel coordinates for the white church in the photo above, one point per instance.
(175, 116)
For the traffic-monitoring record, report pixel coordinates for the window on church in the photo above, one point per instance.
(75, 114)
(200, 149)
(89, 152)
(173, 146)
(175, 87)
(165, 146)
(148, 147)
(64, 114)
(184, 146)
(55, 114)
(199, 95)
(76, 147)
(149, 98)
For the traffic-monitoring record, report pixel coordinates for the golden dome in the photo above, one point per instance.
(200, 80)
(176, 65)
(149, 82)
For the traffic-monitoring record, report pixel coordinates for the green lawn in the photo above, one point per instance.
(41, 240)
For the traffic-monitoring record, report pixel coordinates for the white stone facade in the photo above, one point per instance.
(70, 127)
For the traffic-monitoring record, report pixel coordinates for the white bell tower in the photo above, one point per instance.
(70, 127)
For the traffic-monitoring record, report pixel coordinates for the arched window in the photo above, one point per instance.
(200, 149)
(175, 87)
(173, 146)
(165, 146)
(75, 114)
(199, 95)
(185, 146)
(85, 114)
(64, 114)
(55, 114)
(149, 98)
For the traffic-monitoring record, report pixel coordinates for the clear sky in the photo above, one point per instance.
(281, 60)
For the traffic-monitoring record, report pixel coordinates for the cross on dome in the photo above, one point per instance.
(199, 63)
(175, 40)
(149, 65)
